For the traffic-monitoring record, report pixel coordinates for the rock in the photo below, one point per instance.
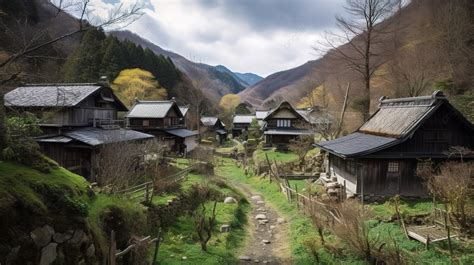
(11, 257)
(90, 252)
(262, 222)
(260, 217)
(48, 254)
(280, 220)
(256, 261)
(266, 241)
(265, 262)
(78, 237)
(62, 237)
(184, 258)
(42, 235)
(230, 200)
(256, 198)
(246, 258)
(260, 202)
(225, 228)
(82, 262)
(272, 227)
(331, 185)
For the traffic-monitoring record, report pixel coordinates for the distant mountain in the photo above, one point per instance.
(215, 82)
(245, 80)
(249, 78)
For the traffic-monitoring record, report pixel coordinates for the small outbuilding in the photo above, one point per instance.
(213, 127)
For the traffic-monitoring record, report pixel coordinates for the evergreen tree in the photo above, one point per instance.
(84, 64)
(113, 60)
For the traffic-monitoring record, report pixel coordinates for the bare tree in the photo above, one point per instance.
(301, 146)
(452, 184)
(204, 224)
(30, 42)
(119, 165)
(361, 31)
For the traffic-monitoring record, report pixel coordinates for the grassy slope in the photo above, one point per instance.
(31, 188)
(301, 227)
(274, 155)
(181, 240)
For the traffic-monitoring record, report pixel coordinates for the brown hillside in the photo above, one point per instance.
(415, 44)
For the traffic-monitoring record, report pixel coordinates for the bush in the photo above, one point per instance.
(21, 147)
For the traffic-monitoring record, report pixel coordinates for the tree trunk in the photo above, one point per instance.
(3, 130)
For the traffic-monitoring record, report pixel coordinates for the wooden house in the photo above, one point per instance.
(165, 120)
(241, 123)
(213, 127)
(77, 120)
(383, 155)
(285, 123)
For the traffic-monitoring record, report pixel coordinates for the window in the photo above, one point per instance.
(351, 167)
(146, 123)
(167, 122)
(393, 167)
(422, 165)
(283, 123)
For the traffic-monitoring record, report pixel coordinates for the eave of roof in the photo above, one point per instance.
(183, 133)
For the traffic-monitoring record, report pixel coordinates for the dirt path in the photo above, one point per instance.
(268, 242)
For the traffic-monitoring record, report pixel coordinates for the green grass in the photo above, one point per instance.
(181, 240)
(384, 211)
(162, 199)
(229, 145)
(134, 214)
(273, 155)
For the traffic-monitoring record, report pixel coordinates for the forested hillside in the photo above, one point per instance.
(425, 46)
(209, 79)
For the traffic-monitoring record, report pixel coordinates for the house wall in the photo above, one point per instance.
(337, 169)
(72, 157)
(190, 143)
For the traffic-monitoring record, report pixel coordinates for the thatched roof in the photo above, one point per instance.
(394, 122)
(398, 117)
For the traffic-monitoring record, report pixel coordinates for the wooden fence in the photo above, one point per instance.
(115, 253)
(144, 192)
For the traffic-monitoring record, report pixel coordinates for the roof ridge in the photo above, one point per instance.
(60, 84)
(435, 96)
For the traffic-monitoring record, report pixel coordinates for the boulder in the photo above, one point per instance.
(48, 254)
(256, 198)
(62, 237)
(260, 217)
(78, 237)
(260, 202)
(42, 235)
(230, 200)
(90, 252)
(280, 220)
(11, 257)
(246, 258)
(266, 241)
(225, 228)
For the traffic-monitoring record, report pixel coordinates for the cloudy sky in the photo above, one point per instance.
(259, 36)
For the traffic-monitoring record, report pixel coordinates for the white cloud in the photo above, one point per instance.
(247, 40)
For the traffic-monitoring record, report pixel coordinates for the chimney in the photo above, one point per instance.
(104, 80)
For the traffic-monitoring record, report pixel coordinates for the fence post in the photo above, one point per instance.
(157, 246)
(112, 249)
(146, 192)
(297, 198)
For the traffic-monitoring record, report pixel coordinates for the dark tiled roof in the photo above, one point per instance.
(183, 133)
(282, 131)
(356, 144)
(243, 118)
(184, 110)
(95, 136)
(50, 95)
(150, 109)
(210, 121)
